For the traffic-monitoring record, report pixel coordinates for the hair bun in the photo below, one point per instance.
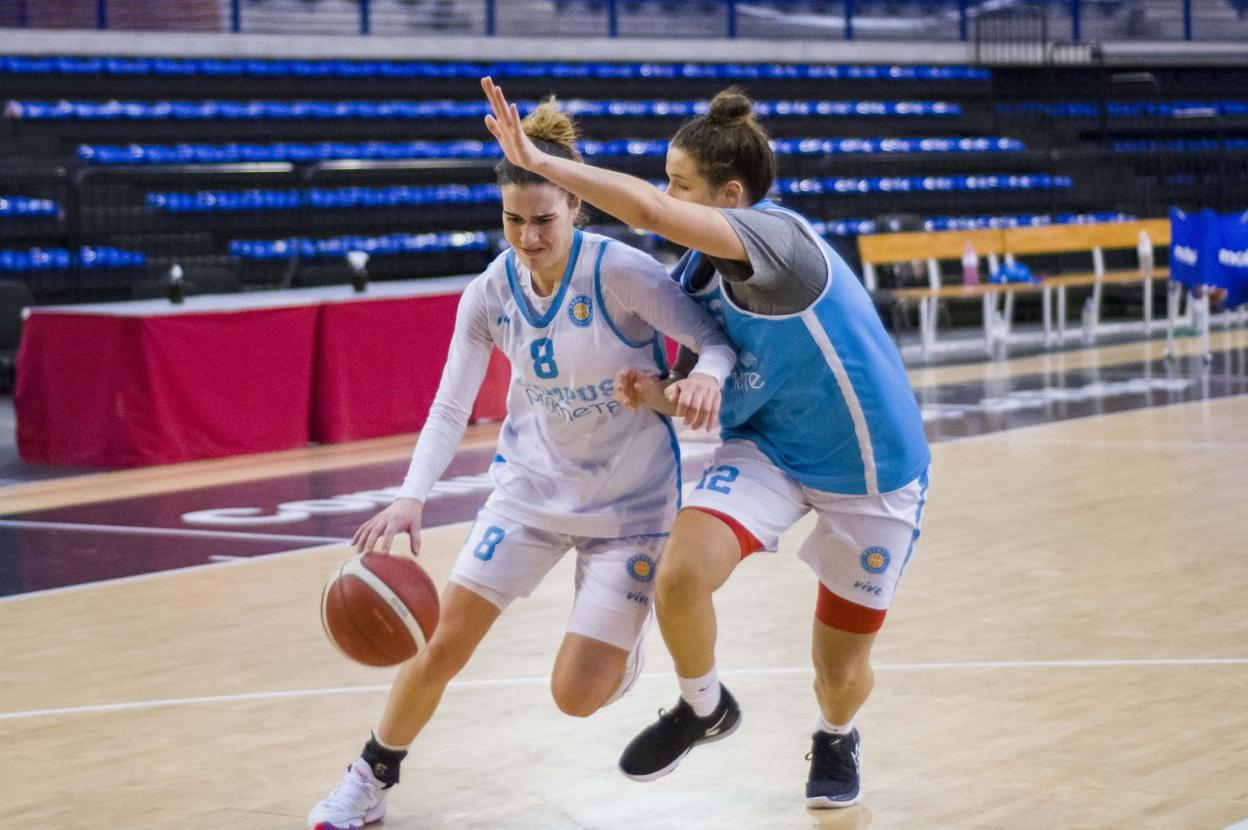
(731, 107)
(548, 123)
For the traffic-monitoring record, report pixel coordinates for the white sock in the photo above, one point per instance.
(702, 693)
(832, 728)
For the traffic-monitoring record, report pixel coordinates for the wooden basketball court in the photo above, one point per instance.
(1068, 649)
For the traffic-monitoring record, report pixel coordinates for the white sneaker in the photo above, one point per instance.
(358, 799)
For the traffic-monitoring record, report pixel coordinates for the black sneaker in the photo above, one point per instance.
(660, 746)
(834, 761)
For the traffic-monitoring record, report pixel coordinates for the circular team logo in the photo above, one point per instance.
(875, 560)
(581, 310)
(641, 568)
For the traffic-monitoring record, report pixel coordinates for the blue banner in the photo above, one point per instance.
(1232, 258)
(1208, 248)
(1187, 234)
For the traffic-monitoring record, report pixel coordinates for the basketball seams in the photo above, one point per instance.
(355, 567)
(376, 656)
(325, 597)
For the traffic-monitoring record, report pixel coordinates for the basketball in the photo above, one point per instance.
(379, 610)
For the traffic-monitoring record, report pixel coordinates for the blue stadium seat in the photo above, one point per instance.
(59, 259)
(23, 207)
(212, 110)
(470, 149)
(213, 67)
(391, 244)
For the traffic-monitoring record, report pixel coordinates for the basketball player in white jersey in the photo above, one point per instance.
(574, 467)
(817, 415)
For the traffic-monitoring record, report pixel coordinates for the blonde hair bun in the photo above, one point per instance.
(548, 123)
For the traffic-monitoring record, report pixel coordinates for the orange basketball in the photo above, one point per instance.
(379, 610)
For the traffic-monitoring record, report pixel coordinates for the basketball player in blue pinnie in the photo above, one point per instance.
(574, 468)
(817, 415)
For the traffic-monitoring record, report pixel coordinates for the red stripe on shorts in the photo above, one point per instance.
(843, 615)
(745, 539)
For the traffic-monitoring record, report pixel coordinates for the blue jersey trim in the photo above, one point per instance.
(671, 435)
(498, 459)
(557, 302)
(602, 305)
(918, 516)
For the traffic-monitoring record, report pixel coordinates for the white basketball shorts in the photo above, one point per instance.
(503, 559)
(860, 545)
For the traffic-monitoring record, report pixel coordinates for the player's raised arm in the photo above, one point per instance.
(633, 201)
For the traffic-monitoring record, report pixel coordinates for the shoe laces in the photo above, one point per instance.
(833, 759)
(679, 712)
(349, 791)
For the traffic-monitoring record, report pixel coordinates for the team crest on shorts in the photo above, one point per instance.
(581, 310)
(875, 560)
(641, 568)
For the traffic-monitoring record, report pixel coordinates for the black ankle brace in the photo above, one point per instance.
(383, 762)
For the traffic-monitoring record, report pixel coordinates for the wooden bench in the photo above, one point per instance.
(934, 248)
(1008, 245)
(1094, 239)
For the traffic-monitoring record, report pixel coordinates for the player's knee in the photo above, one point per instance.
(579, 700)
(679, 582)
(836, 678)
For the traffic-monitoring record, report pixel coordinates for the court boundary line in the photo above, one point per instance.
(952, 440)
(543, 679)
(143, 577)
(170, 531)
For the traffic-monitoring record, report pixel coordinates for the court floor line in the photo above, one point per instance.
(1027, 429)
(543, 679)
(998, 435)
(123, 580)
(170, 531)
(1137, 444)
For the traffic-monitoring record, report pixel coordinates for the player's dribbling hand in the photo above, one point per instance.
(504, 125)
(378, 533)
(697, 400)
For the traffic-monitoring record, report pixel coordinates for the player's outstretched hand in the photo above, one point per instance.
(504, 125)
(636, 389)
(697, 399)
(378, 533)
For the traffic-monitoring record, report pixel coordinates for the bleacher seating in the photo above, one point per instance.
(212, 110)
(373, 150)
(26, 207)
(270, 167)
(729, 72)
(392, 244)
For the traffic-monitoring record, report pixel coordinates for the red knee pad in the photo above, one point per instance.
(744, 538)
(843, 615)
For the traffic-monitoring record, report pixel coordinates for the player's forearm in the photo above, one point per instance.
(654, 398)
(635, 202)
(434, 451)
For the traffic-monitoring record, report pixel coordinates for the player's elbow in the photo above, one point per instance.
(652, 213)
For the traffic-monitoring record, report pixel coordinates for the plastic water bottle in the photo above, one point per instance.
(358, 260)
(1144, 248)
(970, 265)
(177, 290)
(1088, 320)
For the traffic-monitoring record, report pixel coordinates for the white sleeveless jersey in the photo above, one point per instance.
(570, 458)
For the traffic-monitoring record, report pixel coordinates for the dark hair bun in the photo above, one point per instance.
(731, 107)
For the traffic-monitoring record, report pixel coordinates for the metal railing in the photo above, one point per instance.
(1073, 20)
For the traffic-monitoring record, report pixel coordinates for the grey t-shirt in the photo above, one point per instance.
(787, 270)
